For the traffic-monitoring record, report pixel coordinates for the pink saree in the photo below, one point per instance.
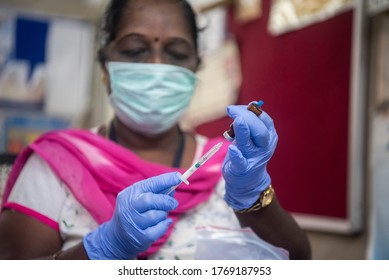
(96, 170)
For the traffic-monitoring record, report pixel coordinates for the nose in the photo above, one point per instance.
(155, 58)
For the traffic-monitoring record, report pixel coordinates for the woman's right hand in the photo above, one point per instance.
(140, 218)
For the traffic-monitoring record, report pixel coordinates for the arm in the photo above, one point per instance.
(23, 237)
(246, 177)
(140, 218)
(277, 227)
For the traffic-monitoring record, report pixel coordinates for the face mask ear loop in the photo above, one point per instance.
(106, 78)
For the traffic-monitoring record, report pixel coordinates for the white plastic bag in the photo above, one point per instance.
(215, 243)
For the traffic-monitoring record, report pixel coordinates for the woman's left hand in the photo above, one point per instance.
(244, 168)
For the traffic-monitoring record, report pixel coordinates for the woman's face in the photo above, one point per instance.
(154, 31)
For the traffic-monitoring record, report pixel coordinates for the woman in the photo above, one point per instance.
(60, 198)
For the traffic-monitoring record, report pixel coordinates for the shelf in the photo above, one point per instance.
(375, 7)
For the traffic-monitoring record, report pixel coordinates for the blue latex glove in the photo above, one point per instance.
(244, 168)
(140, 218)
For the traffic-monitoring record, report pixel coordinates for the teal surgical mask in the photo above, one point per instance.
(150, 98)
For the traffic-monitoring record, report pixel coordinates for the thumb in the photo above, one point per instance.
(156, 231)
(160, 183)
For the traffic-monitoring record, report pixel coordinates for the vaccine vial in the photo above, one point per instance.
(254, 107)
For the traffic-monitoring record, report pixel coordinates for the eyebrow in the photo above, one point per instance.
(141, 36)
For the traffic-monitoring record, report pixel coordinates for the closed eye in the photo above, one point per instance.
(134, 52)
(178, 55)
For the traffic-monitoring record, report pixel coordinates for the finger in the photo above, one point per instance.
(237, 110)
(273, 140)
(240, 110)
(171, 191)
(260, 134)
(255, 130)
(242, 134)
(153, 233)
(161, 183)
(150, 201)
(249, 133)
(151, 218)
(267, 120)
(238, 163)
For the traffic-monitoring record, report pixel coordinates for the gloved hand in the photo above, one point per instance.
(244, 168)
(140, 218)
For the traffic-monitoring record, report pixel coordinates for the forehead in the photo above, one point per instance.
(154, 18)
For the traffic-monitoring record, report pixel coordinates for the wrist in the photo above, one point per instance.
(76, 252)
(244, 197)
(93, 246)
(263, 201)
(102, 244)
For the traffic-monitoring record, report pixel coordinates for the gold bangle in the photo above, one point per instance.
(264, 200)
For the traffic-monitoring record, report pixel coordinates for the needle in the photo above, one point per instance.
(197, 165)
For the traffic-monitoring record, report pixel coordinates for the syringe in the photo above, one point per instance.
(197, 165)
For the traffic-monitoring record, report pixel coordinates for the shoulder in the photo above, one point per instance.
(37, 189)
(36, 172)
(101, 130)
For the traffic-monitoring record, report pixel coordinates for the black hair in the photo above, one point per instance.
(113, 16)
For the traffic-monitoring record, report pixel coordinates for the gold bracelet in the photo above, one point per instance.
(57, 255)
(264, 200)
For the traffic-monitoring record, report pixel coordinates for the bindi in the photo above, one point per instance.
(156, 39)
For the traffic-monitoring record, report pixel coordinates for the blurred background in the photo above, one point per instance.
(320, 66)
